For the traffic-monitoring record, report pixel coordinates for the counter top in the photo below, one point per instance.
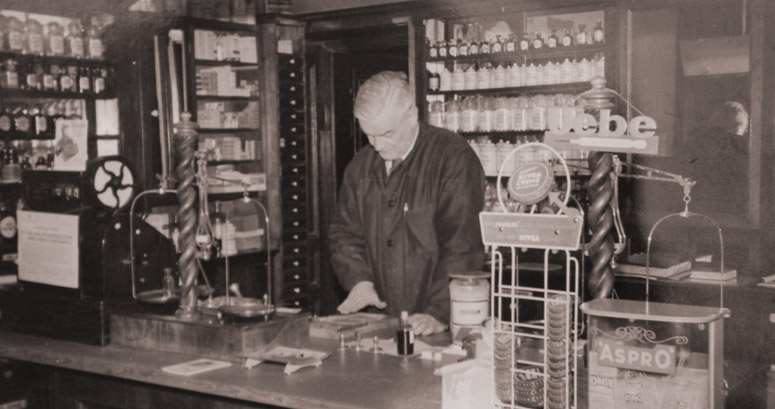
(347, 379)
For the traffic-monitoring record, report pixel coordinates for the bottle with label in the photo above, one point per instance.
(436, 114)
(405, 336)
(445, 80)
(499, 77)
(442, 47)
(41, 163)
(74, 40)
(552, 41)
(48, 80)
(497, 45)
(22, 122)
(484, 47)
(473, 48)
(11, 172)
(66, 81)
(15, 35)
(581, 36)
(452, 48)
(452, 117)
(484, 76)
(36, 43)
(30, 80)
(524, 43)
(538, 42)
(462, 48)
(567, 38)
(11, 76)
(7, 129)
(470, 76)
(84, 80)
(511, 44)
(470, 116)
(486, 114)
(598, 34)
(433, 81)
(458, 78)
(99, 80)
(433, 50)
(55, 42)
(40, 124)
(94, 41)
(502, 114)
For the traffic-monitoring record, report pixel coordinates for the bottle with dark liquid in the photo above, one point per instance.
(405, 336)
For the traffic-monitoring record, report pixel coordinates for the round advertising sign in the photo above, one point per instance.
(530, 183)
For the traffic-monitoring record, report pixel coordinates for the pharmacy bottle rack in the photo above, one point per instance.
(549, 54)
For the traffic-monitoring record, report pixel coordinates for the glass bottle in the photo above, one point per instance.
(168, 283)
(452, 48)
(538, 42)
(6, 125)
(486, 112)
(40, 128)
(598, 34)
(524, 43)
(41, 163)
(484, 47)
(581, 36)
(11, 79)
(21, 121)
(567, 38)
(433, 51)
(462, 48)
(551, 42)
(66, 81)
(84, 80)
(452, 117)
(473, 48)
(497, 45)
(470, 77)
(458, 78)
(25, 164)
(51, 78)
(499, 77)
(15, 35)
(442, 49)
(94, 41)
(99, 82)
(74, 40)
(36, 44)
(30, 78)
(37, 69)
(469, 118)
(511, 44)
(3, 33)
(436, 115)
(405, 336)
(484, 76)
(55, 43)
(445, 80)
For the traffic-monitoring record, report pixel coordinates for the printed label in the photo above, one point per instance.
(8, 227)
(469, 312)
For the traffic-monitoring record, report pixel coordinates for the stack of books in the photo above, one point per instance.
(703, 271)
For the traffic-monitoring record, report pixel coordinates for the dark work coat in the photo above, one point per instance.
(407, 232)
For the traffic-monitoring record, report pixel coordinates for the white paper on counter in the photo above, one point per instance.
(48, 248)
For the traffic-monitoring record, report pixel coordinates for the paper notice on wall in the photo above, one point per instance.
(48, 248)
(71, 144)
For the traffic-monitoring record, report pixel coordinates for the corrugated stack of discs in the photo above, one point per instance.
(558, 352)
(505, 355)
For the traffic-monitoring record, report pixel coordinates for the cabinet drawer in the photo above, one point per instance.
(294, 199)
(292, 129)
(295, 250)
(296, 168)
(290, 236)
(294, 181)
(295, 225)
(290, 76)
(289, 61)
(295, 276)
(294, 265)
(292, 142)
(292, 155)
(291, 90)
(291, 118)
(291, 103)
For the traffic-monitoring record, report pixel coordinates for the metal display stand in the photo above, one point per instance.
(534, 361)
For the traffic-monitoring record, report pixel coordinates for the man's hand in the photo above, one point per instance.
(361, 296)
(424, 324)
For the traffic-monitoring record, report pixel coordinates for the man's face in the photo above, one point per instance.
(392, 131)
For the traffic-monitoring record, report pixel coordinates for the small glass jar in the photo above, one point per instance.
(469, 295)
(15, 35)
(74, 40)
(36, 43)
(55, 42)
(94, 41)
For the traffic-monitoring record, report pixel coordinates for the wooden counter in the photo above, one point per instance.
(347, 379)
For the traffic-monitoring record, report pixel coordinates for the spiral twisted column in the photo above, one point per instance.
(185, 141)
(600, 217)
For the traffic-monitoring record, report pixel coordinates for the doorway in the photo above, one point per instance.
(340, 61)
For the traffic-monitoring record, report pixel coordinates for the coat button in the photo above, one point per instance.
(391, 243)
(391, 203)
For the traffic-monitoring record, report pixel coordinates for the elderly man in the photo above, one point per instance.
(408, 210)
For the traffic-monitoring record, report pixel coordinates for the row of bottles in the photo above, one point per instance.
(16, 158)
(501, 114)
(484, 76)
(21, 122)
(499, 45)
(497, 156)
(53, 39)
(73, 79)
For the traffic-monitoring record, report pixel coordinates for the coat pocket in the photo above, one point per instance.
(421, 233)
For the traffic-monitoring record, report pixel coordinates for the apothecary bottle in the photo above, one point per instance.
(84, 80)
(458, 78)
(433, 51)
(21, 121)
(442, 47)
(462, 48)
(511, 44)
(436, 115)
(484, 47)
(452, 117)
(452, 48)
(598, 34)
(74, 40)
(469, 117)
(484, 76)
(552, 41)
(497, 45)
(15, 35)
(470, 77)
(30, 79)
(498, 77)
(34, 33)
(538, 42)
(567, 38)
(11, 75)
(524, 43)
(473, 48)
(94, 41)
(49, 81)
(581, 36)
(55, 42)
(445, 80)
